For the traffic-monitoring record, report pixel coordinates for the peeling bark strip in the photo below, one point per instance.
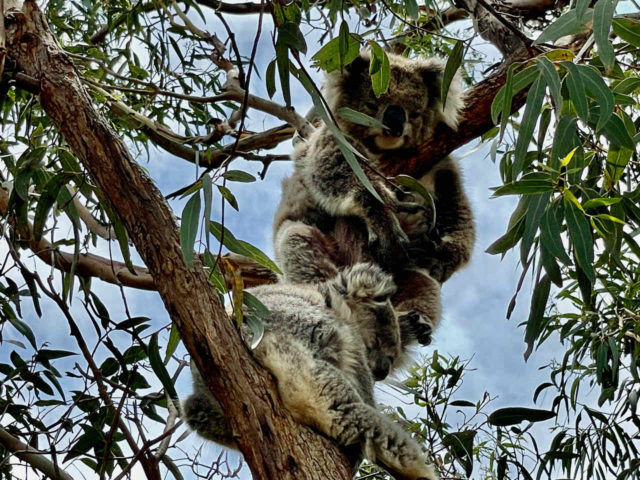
(273, 444)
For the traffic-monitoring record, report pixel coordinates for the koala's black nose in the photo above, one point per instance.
(381, 370)
(394, 118)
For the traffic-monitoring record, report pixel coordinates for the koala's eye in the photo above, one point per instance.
(371, 106)
(414, 115)
(381, 299)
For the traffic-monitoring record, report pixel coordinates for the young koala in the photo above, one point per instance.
(325, 345)
(327, 219)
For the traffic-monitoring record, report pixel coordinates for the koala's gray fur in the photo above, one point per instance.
(327, 219)
(324, 344)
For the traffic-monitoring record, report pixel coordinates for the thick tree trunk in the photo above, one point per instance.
(273, 444)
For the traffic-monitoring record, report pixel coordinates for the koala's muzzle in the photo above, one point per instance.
(382, 367)
(394, 118)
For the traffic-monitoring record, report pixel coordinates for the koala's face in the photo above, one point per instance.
(409, 110)
(383, 344)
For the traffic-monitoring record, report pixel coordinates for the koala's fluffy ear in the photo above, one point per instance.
(432, 76)
(359, 66)
(346, 83)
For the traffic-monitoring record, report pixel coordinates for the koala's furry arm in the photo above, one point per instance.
(334, 188)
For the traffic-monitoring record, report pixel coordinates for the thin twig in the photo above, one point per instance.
(518, 33)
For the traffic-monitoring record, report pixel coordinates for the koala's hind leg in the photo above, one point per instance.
(319, 394)
(304, 253)
(417, 302)
(204, 413)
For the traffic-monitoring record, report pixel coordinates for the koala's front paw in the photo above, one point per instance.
(388, 243)
(410, 207)
(419, 326)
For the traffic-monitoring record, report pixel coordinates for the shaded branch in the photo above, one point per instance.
(224, 7)
(175, 144)
(530, 9)
(494, 28)
(33, 457)
(2, 39)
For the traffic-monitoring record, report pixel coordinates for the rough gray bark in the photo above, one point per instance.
(273, 444)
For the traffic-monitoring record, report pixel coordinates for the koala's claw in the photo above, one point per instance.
(410, 207)
(421, 326)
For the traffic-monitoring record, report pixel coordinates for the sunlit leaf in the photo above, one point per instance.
(240, 247)
(600, 202)
(379, 69)
(328, 57)
(453, 63)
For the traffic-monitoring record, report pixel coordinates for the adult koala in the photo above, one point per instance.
(325, 344)
(327, 219)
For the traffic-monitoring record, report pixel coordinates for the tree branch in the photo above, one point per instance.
(103, 231)
(232, 8)
(175, 144)
(2, 39)
(476, 116)
(117, 273)
(33, 457)
(273, 444)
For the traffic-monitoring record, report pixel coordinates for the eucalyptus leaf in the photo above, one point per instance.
(535, 322)
(580, 234)
(379, 69)
(528, 125)
(240, 247)
(157, 365)
(569, 23)
(602, 15)
(359, 118)
(453, 63)
(513, 415)
(628, 30)
(189, 228)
